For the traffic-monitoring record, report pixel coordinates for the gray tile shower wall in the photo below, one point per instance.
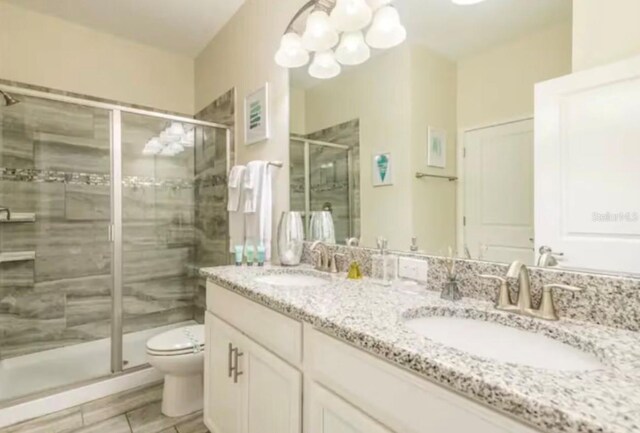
(211, 218)
(337, 189)
(607, 300)
(55, 163)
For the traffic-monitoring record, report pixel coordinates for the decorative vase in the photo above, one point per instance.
(290, 238)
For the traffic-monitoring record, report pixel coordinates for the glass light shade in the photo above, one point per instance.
(291, 53)
(324, 66)
(175, 131)
(352, 49)
(351, 15)
(386, 31)
(319, 34)
(152, 147)
(377, 4)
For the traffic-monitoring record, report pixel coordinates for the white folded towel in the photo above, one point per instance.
(259, 205)
(236, 210)
(252, 181)
(236, 181)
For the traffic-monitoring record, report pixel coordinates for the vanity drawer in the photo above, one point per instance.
(278, 333)
(395, 397)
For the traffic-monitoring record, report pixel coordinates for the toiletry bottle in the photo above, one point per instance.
(249, 254)
(260, 255)
(238, 254)
(384, 265)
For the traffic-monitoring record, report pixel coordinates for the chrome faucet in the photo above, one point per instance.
(546, 310)
(521, 272)
(326, 262)
(7, 211)
(547, 257)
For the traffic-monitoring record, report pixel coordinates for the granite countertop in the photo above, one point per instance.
(370, 316)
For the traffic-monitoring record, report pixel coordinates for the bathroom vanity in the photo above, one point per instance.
(344, 357)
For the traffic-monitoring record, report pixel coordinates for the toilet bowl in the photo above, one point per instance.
(179, 355)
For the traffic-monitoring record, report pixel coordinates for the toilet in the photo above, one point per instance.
(179, 355)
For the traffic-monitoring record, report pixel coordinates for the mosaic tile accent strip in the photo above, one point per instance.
(46, 176)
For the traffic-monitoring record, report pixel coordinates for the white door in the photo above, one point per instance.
(328, 413)
(587, 177)
(498, 192)
(273, 394)
(222, 396)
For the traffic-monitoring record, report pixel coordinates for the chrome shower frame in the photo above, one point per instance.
(115, 227)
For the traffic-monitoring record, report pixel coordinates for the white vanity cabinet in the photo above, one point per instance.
(325, 412)
(255, 364)
(247, 388)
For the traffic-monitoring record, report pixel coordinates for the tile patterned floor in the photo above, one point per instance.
(135, 411)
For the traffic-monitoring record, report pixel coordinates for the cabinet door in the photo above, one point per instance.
(328, 413)
(273, 393)
(222, 397)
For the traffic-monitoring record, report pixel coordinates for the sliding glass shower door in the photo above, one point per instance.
(55, 254)
(98, 244)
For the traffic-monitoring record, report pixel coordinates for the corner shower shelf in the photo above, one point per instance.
(19, 218)
(19, 256)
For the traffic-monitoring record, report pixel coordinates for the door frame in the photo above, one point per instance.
(462, 171)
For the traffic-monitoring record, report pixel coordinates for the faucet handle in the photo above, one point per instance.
(503, 301)
(547, 308)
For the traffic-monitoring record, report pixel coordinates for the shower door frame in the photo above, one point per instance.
(115, 226)
(307, 177)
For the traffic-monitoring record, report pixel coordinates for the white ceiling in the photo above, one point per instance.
(457, 31)
(181, 26)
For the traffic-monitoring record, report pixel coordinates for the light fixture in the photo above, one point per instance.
(355, 26)
(386, 31)
(466, 2)
(291, 53)
(319, 35)
(324, 66)
(152, 147)
(351, 15)
(353, 50)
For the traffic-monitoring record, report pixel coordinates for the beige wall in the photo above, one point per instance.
(418, 90)
(46, 51)
(383, 107)
(433, 103)
(298, 110)
(604, 31)
(241, 57)
(497, 85)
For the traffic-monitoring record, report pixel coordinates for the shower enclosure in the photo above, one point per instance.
(98, 247)
(323, 179)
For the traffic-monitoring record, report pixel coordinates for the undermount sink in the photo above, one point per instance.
(503, 344)
(292, 280)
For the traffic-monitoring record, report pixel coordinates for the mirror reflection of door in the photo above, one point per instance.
(498, 204)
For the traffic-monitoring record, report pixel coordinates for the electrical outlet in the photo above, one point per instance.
(413, 269)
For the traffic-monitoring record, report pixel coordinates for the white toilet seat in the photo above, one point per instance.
(179, 341)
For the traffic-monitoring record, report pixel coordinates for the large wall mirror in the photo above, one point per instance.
(431, 144)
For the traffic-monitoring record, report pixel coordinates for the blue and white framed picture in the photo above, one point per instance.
(437, 148)
(256, 116)
(382, 169)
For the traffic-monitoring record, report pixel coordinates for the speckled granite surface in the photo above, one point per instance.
(608, 300)
(371, 317)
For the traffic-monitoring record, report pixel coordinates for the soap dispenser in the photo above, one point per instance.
(384, 266)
